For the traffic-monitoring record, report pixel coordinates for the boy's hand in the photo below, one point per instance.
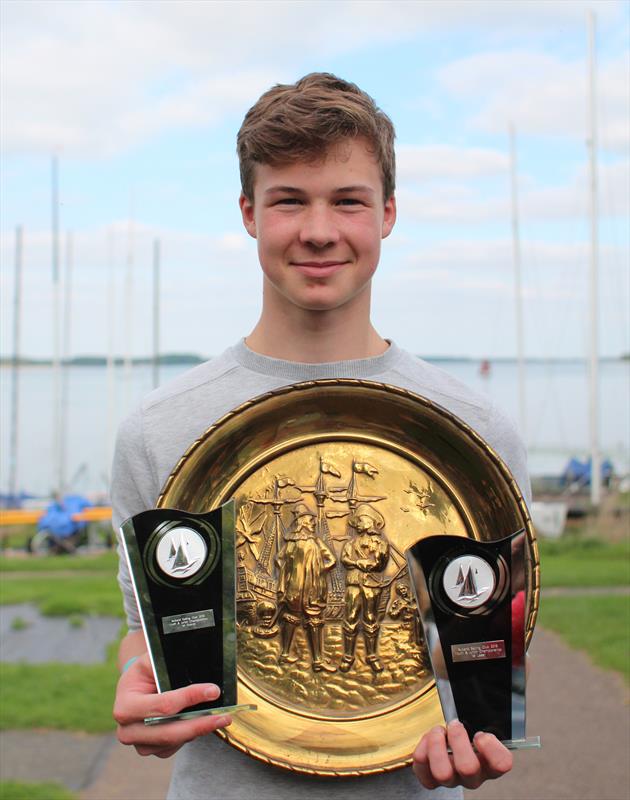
(137, 698)
(434, 766)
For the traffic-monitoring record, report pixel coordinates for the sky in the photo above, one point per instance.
(140, 102)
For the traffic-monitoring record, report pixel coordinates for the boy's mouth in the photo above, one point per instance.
(318, 269)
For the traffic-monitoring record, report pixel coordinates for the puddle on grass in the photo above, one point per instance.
(26, 635)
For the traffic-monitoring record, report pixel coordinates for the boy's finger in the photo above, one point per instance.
(161, 739)
(420, 765)
(466, 763)
(495, 758)
(133, 706)
(439, 760)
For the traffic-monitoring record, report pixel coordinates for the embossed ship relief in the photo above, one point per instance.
(333, 481)
(326, 616)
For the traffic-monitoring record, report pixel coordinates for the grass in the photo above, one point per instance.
(12, 790)
(574, 561)
(599, 625)
(64, 595)
(15, 537)
(59, 696)
(103, 562)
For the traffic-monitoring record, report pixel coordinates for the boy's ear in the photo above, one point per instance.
(389, 217)
(247, 212)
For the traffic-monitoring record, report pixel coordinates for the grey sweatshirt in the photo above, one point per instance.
(156, 434)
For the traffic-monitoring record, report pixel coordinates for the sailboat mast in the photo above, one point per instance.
(65, 353)
(518, 289)
(15, 372)
(128, 309)
(156, 313)
(56, 446)
(593, 283)
(111, 327)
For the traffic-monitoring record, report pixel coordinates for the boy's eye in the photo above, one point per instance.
(288, 201)
(349, 201)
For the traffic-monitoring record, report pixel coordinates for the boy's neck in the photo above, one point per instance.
(315, 337)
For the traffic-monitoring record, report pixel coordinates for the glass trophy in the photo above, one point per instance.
(182, 571)
(471, 597)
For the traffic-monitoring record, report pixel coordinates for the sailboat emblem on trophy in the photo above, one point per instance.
(181, 553)
(469, 581)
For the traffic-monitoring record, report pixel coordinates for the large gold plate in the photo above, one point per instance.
(341, 450)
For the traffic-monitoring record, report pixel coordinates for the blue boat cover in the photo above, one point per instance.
(58, 516)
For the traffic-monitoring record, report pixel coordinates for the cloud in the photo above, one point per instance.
(541, 94)
(96, 78)
(457, 297)
(210, 279)
(461, 202)
(211, 289)
(421, 163)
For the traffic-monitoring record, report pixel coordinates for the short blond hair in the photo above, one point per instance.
(300, 121)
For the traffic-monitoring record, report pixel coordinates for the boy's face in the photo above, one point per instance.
(319, 226)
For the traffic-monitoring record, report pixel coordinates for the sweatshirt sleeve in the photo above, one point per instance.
(132, 491)
(509, 445)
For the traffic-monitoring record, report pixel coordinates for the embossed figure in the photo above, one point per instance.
(404, 607)
(365, 556)
(302, 589)
(266, 620)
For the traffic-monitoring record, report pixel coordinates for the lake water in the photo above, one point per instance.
(557, 416)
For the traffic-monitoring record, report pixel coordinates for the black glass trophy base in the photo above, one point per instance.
(471, 597)
(182, 570)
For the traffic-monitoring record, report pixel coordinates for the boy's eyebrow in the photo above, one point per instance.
(340, 190)
(288, 189)
(357, 188)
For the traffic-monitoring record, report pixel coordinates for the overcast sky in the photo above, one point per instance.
(141, 102)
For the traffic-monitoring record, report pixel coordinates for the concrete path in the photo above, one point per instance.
(128, 776)
(582, 715)
(581, 712)
(73, 760)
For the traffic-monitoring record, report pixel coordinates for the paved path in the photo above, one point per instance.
(581, 712)
(583, 717)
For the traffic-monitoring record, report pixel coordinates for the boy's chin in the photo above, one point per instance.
(323, 299)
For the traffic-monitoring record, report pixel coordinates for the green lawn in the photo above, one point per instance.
(103, 562)
(597, 624)
(64, 594)
(61, 696)
(12, 790)
(58, 696)
(71, 697)
(578, 562)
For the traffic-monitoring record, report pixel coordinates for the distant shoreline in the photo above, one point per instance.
(192, 359)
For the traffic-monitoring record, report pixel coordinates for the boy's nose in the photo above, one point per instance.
(319, 228)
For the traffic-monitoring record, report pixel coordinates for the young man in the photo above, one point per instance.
(317, 172)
